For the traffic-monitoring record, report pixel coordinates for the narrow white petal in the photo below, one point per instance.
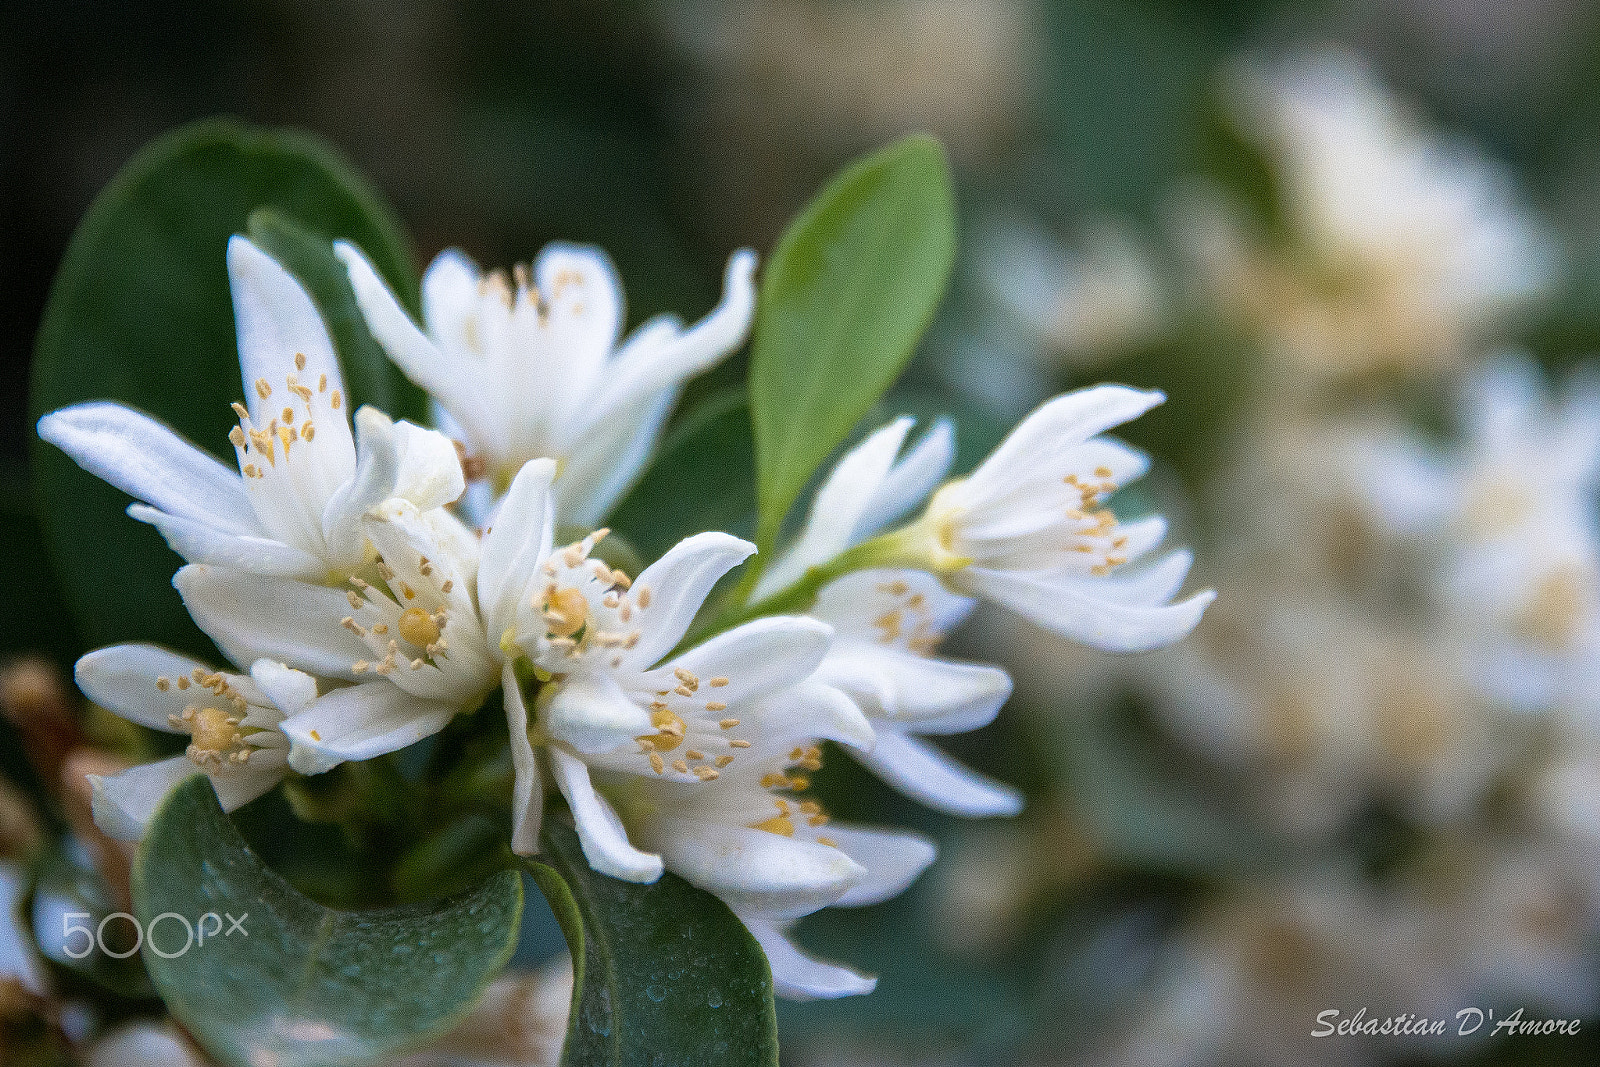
(912, 479)
(797, 976)
(450, 299)
(410, 349)
(1151, 584)
(893, 861)
(757, 658)
(123, 804)
(1054, 426)
(514, 546)
(600, 832)
(148, 461)
(276, 320)
(750, 869)
(924, 773)
(527, 792)
(200, 542)
(359, 722)
(643, 370)
(606, 461)
(430, 467)
(840, 503)
(1078, 609)
(921, 693)
(123, 679)
(591, 713)
(238, 786)
(810, 709)
(291, 691)
(679, 583)
(251, 617)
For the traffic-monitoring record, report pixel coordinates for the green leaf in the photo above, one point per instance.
(663, 973)
(140, 313)
(308, 985)
(845, 298)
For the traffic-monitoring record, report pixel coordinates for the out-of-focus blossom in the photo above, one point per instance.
(1082, 303)
(1404, 249)
(534, 369)
(520, 1021)
(144, 1044)
(296, 505)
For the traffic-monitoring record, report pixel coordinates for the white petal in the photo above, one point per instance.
(514, 546)
(200, 542)
(600, 832)
(527, 793)
(809, 709)
(917, 474)
(843, 499)
(430, 467)
(276, 321)
(753, 870)
(642, 370)
(591, 713)
(237, 786)
(797, 976)
(606, 461)
(921, 693)
(124, 803)
(893, 861)
(1149, 585)
(146, 460)
(359, 722)
(450, 299)
(923, 773)
(1055, 426)
(410, 349)
(679, 583)
(291, 691)
(122, 679)
(1077, 608)
(251, 617)
(757, 658)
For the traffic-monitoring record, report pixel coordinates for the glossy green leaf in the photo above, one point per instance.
(847, 294)
(663, 973)
(140, 313)
(303, 984)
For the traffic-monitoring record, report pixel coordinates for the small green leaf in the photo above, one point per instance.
(663, 973)
(845, 298)
(140, 313)
(304, 984)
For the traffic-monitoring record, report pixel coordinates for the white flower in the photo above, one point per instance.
(888, 622)
(1029, 530)
(413, 638)
(233, 720)
(770, 855)
(535, 370)
(1511, 517)
(295, 507)
(616, 700)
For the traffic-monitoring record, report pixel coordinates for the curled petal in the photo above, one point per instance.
(797, 976)
(753, 870)
(359, 722)
(123, 804)
(527, 792)
(1082, 609)
(922, 772)
(600, 832)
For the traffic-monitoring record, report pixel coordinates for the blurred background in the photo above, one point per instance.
(1358, 244)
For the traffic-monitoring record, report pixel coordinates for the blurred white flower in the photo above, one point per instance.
(1404, 247)
(1029, 530)
(144, 1044)
(295, 507)
(534, 369)
(1509, 516)
(1082, 303)
(233, 721)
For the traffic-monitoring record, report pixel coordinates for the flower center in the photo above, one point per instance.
(565, 611)
(418, 627)
(216, 740)
(257, 447)
(683, 716)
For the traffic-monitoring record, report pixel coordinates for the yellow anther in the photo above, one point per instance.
(781, 825)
